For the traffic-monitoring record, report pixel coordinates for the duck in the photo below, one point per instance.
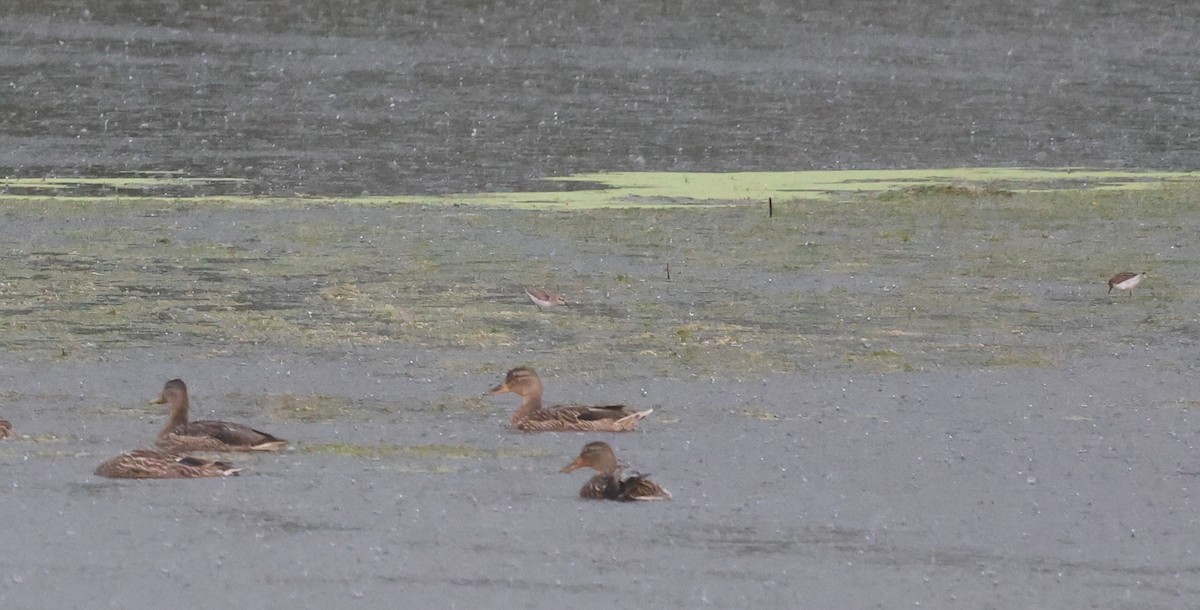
(156, 464)
(181, 435)
(612, 480)
(532, 417)
(6, 430)
(544, 298)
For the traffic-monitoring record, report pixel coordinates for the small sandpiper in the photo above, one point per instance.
(1126, 280)
(544, 298)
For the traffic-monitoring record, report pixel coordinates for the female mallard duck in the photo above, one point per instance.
(531, 417)
(155, 464)
(613, 482)
(6, 430)
(181, 435)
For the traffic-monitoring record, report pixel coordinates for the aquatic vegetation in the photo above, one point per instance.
(459, 404)
(1001, 275)
(309, 407)
(759, 413)
(883, 360)
(646, 189)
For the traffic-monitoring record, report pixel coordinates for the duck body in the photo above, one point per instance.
(156, 464)
(623, 486)
(6, 429)
(205, 435)
(180, 435)
(531, 416)
(579, 418)
(613, 481)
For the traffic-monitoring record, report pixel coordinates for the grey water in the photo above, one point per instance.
(381, 97)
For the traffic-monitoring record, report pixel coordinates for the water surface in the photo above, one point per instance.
(445, 97)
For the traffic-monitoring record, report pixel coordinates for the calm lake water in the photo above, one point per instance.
(440, 97)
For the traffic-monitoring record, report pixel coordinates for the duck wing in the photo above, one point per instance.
(623, 486)
(234, 435)
(638, 486)
(195, 462)
(604, 412)
(603, 486)
(580, 413)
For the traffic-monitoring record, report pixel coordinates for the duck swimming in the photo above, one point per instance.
(613, 481)
(155, 464)
(181, 435)
(532, 417)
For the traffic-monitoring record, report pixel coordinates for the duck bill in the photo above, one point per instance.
(161, 400)
(500, 389)
(573, 466)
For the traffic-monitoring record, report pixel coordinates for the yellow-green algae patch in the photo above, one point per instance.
(49, 438)
(759, 413)
(638, 189)
(923, 280)
(685, 189)
(308, 407)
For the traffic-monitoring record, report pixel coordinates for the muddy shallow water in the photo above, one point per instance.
(926, 399)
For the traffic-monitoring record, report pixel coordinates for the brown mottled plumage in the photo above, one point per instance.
(1126, 280)
(6, 430)
(532, 417)
(155, 464)
(181, 435)
(612, 481)
(544, 298)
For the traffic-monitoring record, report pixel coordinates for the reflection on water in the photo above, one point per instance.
(440, 97)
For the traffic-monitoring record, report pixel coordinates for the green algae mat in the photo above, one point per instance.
(912, 276)
(633, 189)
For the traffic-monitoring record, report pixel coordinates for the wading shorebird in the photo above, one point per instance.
(1126, 280)
(612, 480)
(181, 435)
(532, 417)
(155, 464)
(544, 298)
